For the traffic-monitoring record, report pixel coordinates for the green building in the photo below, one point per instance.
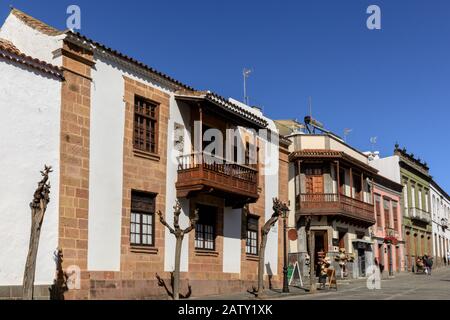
(417, 223)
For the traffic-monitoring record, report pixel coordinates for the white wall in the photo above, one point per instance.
(178, 114)
(29, 131)
(232, 240)
(106, 167)
(271, 164)
(388, 167)
(293, 245)
(30, 41)
(271, 182)
(438, 212)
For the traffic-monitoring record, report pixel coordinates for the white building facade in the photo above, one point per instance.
(121, 139)
(440, 213)
(30, 98)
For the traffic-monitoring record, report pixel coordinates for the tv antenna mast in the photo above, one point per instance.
(310, 106)
(347, 131)
(246, 73)
(373, 141)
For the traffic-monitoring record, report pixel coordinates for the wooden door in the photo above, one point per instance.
(317, 184)
(314, 181)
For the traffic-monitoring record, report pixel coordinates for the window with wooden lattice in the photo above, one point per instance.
(145, 125)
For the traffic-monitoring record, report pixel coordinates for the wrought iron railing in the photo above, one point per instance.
(418, 214)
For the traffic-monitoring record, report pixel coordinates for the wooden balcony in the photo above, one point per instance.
(202, 172)
(336, 205)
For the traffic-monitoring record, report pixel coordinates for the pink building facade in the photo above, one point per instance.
(387, 234)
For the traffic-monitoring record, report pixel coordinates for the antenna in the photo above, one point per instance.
(310, 106)
(246, 73)
(347, 131)
(373, 141)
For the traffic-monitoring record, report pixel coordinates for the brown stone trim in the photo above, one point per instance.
(138, 264)
(250, 257)
(146, 155)
(76, 73)
(74, 168)
(143, 249)
(206, 253)
(70, 54)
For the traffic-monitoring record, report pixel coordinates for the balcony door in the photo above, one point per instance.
(314, 181)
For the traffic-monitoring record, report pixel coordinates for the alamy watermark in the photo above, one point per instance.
(73, 22)
(226, 148)
(374, 278)
(374, 20)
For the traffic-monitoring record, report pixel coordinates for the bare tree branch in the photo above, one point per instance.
(38, 206)
(163, 221)
(179, 235)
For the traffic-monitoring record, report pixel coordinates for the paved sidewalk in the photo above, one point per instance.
(405, 286)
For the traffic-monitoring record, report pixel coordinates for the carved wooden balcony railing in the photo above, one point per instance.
(205, 172)
(333, 204)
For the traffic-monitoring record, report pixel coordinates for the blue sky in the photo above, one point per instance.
(392, 83)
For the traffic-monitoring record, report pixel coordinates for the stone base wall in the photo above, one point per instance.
(15, 292)
(149, 289)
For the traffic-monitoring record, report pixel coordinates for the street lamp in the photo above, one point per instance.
(285, 214)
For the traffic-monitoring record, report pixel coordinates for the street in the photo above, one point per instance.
(402, 287)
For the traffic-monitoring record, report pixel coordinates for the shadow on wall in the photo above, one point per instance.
(59, 286)
(163, 284)
(269, 274)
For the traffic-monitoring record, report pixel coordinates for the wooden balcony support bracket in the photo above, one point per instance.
(351, 182)
(362, 187)
(338, 175)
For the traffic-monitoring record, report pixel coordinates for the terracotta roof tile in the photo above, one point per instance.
(8, 46)
(9, 51)
(35, 23)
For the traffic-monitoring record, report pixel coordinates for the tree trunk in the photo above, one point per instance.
(176, 273)
(262, 251)
(312, 258)
(30, 267)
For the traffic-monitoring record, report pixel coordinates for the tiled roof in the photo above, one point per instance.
(225, 104)
(330, 154)
(8, 46)
(127, 58)
(35, 23)
(216, 99)
(8, 51)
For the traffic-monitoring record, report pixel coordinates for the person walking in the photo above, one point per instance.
(448, 257)
(428, 263)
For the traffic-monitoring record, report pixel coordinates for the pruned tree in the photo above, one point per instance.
(38, 207)
(311, 252)
(179, 235)
(278, 208)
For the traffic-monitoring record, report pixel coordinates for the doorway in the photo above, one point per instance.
(321, 241)
(320, 245)
(362, 262)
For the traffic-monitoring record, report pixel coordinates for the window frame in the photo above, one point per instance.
(200, 222)
(387, 212)
(255, 231)
(378, 213)
(395, 206)
(154, 119)
(140, 212)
